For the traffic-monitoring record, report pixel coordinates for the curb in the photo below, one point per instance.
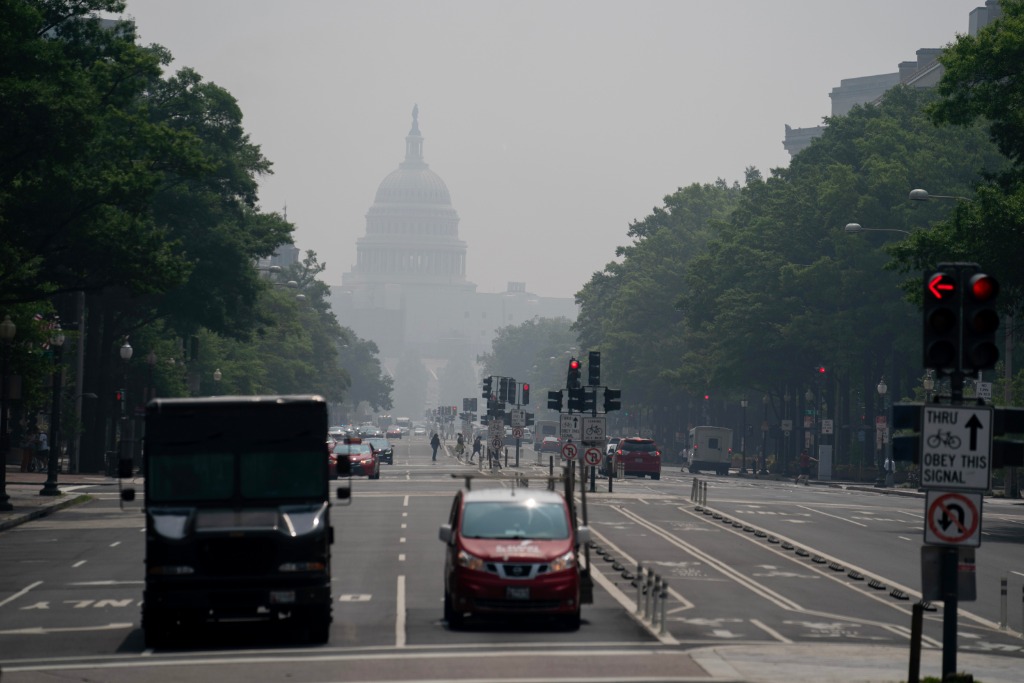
(43, 511)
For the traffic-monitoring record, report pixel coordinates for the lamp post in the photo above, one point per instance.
(809, 401)
(764, 438)
(151, 362)
(53, 464)
(7, 331)
(217, 374)
(786, 443)
(882, 388)
(928, 383)
(126, 437)
(743, 438)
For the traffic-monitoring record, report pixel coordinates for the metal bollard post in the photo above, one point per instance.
(654, 600)
(620, 469)
(649, 587)
(593, 479)
(693, 491)
(704, 493)
(639, 586)
(664, 599)
(1002, 602)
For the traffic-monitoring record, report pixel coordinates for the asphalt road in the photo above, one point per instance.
(767, 566)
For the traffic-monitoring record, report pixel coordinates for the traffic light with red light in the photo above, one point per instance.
(572, 378)
(820, 370)
(526, 394)
(980, 322)
(941, 343)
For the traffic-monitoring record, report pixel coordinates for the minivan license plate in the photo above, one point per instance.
(517, 593)
(639, 460)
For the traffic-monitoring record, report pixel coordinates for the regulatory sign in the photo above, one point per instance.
(984, 389)
(517, 417)
(953, 518)
(956, 448)
(826, 426)
(495, 428)
(497, 442)
(593, 429)
(517, 432)
(592, 456)
(569, 451)
(570, 427)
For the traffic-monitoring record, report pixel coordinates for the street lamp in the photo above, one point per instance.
(764, 437)
(882, 388)
(928, 383)
(53, 464)
(126, 439)
(151, 360)
(743, 438)
(7, 331)
(920, 195)
(857, 227)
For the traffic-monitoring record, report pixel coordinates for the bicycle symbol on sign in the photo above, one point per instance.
(594, 430)
(941, 438)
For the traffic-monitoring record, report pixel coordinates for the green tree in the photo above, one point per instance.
(535, 351)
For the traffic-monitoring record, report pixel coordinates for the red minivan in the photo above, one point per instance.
(639, 457)
(511, 551)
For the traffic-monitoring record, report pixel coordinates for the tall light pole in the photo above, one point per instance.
(150, 390)
(53, 465)
(7, 331)
(882, 388)
(764, 437)
(743, 438)
(126, 424)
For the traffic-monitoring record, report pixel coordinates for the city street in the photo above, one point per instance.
(766, 571)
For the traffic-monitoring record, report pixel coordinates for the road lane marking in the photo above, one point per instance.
(400, 612)
(842, 519)
(40, 631)
(79, 563)
(20, 593)
(401, 557)
(881, 599)
(770, 631)
(405, 501)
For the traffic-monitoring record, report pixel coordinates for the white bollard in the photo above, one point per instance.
(1002, 602)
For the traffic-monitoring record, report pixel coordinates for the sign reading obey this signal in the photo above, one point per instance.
(956, 448)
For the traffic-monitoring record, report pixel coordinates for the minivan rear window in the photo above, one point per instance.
(487, 519)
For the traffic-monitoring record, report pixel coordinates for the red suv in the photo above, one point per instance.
(639, 457)
(363, 460)
(511, 551)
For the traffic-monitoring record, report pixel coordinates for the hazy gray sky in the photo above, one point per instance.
(553, 123)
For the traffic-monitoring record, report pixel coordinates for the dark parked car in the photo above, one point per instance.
(384, 448)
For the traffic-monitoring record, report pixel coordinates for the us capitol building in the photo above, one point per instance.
(408, 290)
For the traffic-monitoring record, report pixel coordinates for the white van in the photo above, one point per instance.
(710, 449)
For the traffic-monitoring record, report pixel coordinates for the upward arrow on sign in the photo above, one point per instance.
(974, 424)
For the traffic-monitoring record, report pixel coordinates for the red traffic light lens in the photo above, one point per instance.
(941, 286)
(526, 387)
(983, 287)
(574, 364)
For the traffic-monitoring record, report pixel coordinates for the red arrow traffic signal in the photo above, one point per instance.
(942, 286)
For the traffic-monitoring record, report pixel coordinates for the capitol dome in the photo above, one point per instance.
(412, 230)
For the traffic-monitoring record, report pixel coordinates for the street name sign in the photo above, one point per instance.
(571, 426)
(953, 518)
(956, 448)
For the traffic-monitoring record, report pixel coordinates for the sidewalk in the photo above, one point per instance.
(23, 490)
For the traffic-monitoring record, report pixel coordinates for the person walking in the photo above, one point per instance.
(435, 443)
(42, 452)
(805, 466)
(477, 446)
(460, 447)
